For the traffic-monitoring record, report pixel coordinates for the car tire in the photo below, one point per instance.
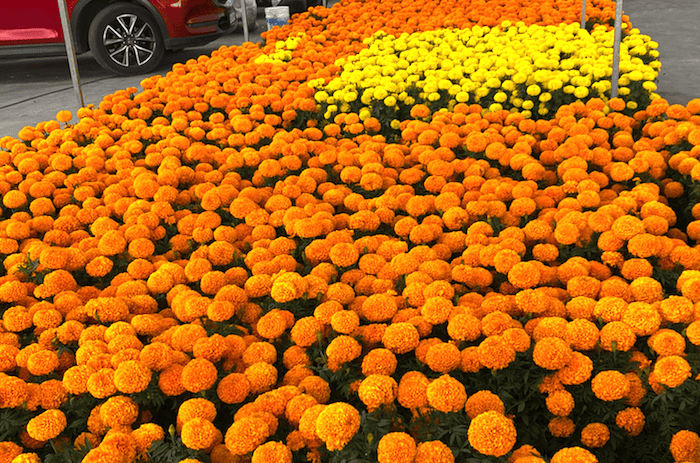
(125, 39)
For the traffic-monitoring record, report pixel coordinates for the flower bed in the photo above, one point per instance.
(224, 268)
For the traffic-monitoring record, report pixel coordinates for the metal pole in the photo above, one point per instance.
(583, 14)
(72, 61)
(616, 50)
(245, 21)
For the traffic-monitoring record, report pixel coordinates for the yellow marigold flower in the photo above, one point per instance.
(610, 385)
(560, 402)
(561, 426)
(672, 371)
(47, 425)
(619, 333)
(413, 389)
(401, 337)
(491, 433)
(245, 435)
(446, 394)
(396, 447)
(551, 353)
(483, 401)
(434, 451)
(573, 455)
(685, 446)
(379, 361)
(631, 419)
(595, 435)
(337, 424)
(132, 376)
(198, 434)
(272, 451)
(495, 353)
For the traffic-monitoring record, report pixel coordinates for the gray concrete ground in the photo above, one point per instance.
(33, 90)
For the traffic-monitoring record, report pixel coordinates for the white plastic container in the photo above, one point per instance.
(276, 16)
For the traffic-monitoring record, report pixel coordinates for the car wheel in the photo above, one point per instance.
(124, 39)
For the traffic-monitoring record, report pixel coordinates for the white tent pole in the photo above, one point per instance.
(616, 50)
(245, 21)
(583, 14)
(72, 61)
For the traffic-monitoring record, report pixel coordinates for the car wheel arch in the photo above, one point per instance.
(85, 10)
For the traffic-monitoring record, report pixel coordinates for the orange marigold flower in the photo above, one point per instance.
(631, 419)
(379, 361)
(413, 390)
(337, 424)
(617, 336)
(643, 318)
(47, 425)
(667, 342)
(100, 384)
(524, 275)
(561, 426)
(495, 353)
(261, 376)
(245, 435)
(685, 446)
(551, 353)
(677, 309)
(401, 337)
(119, 411)
(573, 455)
(306, 331)
(199, 375)
(595, 435)
(446, 394)
(560, 402)
(132, 376)
(396, 447)
(379, 307)
(577, 370)
(198, 434)
(610, 385)
(42, 362)
(672, 371)
(341, 350)
(483, 401)
(443, 357)
(272, 451)
(434, 451)
(464, 327)
(377, 390)
(436, 310)
(491, 433)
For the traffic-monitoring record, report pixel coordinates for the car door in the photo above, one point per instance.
(29, 23)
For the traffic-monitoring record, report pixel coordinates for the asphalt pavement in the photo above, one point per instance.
(33, 90)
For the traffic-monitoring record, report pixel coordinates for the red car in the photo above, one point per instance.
(126, 37)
